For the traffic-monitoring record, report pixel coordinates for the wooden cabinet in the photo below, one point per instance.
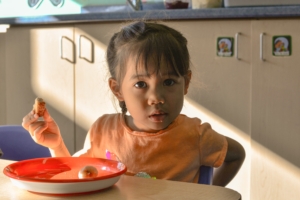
(275, 112)
(220, 84)
(65, 66)
(276, 90)
(258, 93)
(92, 94)
(34, 68)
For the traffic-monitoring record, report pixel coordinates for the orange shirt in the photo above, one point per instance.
(175, 153)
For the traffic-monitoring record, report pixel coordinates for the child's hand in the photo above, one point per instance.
(45, 132)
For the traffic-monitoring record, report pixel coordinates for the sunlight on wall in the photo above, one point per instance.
(52, 77)
(93, 96)
(272, 177)
(241, 182)
(63, 83)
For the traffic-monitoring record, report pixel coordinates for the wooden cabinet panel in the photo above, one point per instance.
(275, 112)
(34, 68)
(220, 84)
(93, 96)
(276, 90)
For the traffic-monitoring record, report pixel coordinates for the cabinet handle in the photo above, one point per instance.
(236, 46)
(261, 46)
(91, 60)
(61, 49)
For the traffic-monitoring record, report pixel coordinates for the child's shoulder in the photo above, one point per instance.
(193, 122)
(108, 119)
(109, 116)
(182, 118)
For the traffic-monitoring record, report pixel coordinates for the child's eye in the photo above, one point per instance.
(140, 84)
(169, 82)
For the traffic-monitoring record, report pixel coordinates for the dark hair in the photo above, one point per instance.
(147, 42)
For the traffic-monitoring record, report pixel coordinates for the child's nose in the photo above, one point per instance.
(156, 96)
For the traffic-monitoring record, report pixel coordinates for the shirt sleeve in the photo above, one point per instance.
(213, 146)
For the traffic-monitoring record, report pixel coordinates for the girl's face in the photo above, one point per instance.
(153, 101)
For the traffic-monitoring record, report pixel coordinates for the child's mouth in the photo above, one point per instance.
(158, 117)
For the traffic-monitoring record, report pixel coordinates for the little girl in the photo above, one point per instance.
(150, 72)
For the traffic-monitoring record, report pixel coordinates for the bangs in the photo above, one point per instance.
(152, 47)
(162, 52)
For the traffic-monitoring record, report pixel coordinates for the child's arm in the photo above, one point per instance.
(233, 161)
(46, 133)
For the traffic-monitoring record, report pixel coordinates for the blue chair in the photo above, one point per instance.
(206, 175)
(17, 144)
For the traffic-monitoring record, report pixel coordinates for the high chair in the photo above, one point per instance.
(17, 144)
(206, 175)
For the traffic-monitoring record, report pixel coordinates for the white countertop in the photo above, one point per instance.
(162, 14)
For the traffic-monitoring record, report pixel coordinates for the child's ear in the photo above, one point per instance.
(188, 78)
(115, 88)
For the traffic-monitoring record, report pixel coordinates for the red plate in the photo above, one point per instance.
(59, 175)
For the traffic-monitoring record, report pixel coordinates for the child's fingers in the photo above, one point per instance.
(29, 119)
(36, 129)
(37, 133)
(47, 116)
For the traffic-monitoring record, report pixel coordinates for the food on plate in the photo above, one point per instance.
(88, 172)
(39, 106)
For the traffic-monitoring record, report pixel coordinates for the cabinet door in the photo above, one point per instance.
(93, 96)
(220, 84)
(34, 68)
(275, 112)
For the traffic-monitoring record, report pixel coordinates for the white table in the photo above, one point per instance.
(128, 187)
